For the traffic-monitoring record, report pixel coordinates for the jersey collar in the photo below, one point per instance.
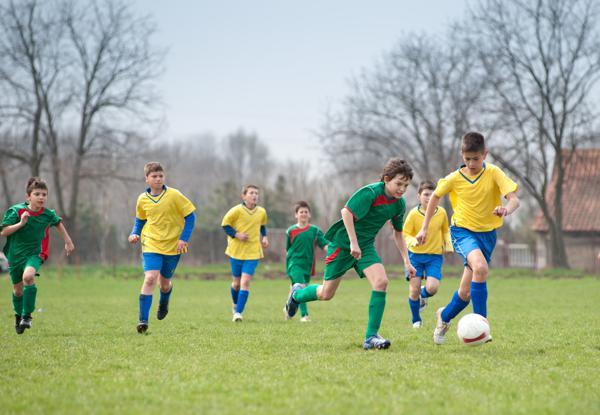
(419, 209)
(32, 213)
(476, 178)
(156, 198)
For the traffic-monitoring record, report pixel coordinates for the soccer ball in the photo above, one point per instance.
(473, 330)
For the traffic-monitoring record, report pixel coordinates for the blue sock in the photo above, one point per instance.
(424, 293)
(164, 297)
(145, 304)
(242, 298)
(234, 295)
(453, 308)
(414, 309)
(479, 296)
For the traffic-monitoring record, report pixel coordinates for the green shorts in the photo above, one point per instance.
(298, 276)
(16, 271)
(339, 261)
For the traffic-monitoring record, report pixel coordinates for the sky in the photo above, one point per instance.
(274, 67)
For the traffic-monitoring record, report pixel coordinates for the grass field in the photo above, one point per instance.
(83, 354)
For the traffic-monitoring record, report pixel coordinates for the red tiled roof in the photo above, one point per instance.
(581, 193)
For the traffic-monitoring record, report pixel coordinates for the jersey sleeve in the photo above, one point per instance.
(398, 219)
(185, 206)
(11, 217)
(231, 217)
(54, 218)
(444, 186)
(360, 202)
(140, 213)
(288, 242)
(321, 241)
(446, 233)
(505, 184)
(409, 229)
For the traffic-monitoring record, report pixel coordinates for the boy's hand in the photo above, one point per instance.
(355, 250)
(265, 242)
(182, 247)
(69, 247)
(24, 218)
(412, 272)
(133, 239)
(242, 236)
(421, 236)
(500, 211)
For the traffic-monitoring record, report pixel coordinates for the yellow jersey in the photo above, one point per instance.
(164, 215)
(438, 232)
(474, 198)
(247, 221)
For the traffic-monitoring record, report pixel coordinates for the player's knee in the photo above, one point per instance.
(150, 279)
(431, 289)
(480, 270)
(28, 278)
(18, 289)
(464, 294)
(414, 293)
(235, 284)
(326, 295)
(381, 284)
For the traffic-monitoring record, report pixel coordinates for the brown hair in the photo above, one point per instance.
(152, 167)
(301, 204)
(472, 142)
(248, 187)
(426, 185)
(396, 166)
(35, 183)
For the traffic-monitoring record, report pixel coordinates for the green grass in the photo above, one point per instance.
(83, 354)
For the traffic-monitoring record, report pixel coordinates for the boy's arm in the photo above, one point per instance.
(401, 245)
(321, 241)
(433, 204)
(136, 231)
(62, 231)
(186, 233)
(348, 219)
(447, 241)
(10, 229)
(263, 233)
(512, 205)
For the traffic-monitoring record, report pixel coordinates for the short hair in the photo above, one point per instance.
(248, 187)
(426, 185)
(472, 142)
(152, 167)
(35, 183)
(301, 204)
(396, 166)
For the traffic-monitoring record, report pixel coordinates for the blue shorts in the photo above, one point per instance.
(166, 264)
(427, 265)
(464, 241)
(242, 266)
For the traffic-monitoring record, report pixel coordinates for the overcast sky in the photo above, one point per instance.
(274, 67)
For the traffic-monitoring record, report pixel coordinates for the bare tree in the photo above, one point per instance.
(542, 62)
(247, 158)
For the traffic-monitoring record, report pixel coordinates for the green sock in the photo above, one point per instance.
(303, 309)
(18, 304)
(306, 294)
(376, 307)
(29, 292)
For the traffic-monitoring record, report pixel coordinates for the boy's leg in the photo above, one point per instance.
(433, 271)
(16, 276)
(236, 275)
(303, 306)
(414, 302)
(478, 292)
(29, 296)
(248, 269)
(166, 284)
(377, 277)
(152, 263)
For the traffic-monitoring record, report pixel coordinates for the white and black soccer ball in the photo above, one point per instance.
(473, 330)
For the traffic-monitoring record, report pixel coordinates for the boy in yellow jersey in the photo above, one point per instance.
(164, 222)
(475, 192)
(427, 259)
(246, 229)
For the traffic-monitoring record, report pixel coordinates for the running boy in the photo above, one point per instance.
(26, 225)
(246, 229)
(164, 221)
(300, 242)
(428, 258)
(475, 190)
(352, 245)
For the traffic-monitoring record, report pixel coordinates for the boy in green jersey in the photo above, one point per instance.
(352, 245)
(300, 242)
(26, 227)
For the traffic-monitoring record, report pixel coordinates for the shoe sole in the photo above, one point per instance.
(162, 316)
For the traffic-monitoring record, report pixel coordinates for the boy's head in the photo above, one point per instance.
(396, 177)
(473, 151)
(155, 174)
(36, 192)
(302, 210)
(426, 188)
(250, 195)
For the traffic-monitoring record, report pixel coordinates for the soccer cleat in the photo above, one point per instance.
(440, 329)
(25, 322)
(376, 342)
(237, 317)
(423, 304)
(305, 319)
(163, 310)
(142, 326)
(18, 328)
(291, 306)
(417, 324)
(285, 314)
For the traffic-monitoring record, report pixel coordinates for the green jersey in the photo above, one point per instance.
(371, 209)
(300, 247)
(31, 239)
